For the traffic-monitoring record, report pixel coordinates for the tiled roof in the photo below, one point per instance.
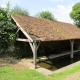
(47, 30)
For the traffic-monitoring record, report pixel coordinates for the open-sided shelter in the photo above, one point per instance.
(37, 30)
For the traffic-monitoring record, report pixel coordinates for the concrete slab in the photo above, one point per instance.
(48, 72)
(44, 71)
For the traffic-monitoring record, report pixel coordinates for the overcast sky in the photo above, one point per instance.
(59, 8)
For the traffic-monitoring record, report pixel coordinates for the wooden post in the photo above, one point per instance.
(71, 60)
(35, 55)
(72, 48)
(34, 47)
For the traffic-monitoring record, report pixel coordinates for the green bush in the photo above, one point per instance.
(22, 50)
(7, 30)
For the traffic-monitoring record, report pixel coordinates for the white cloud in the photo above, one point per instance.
(12, 2)
(64, 10)
(61, 7)
(62, 13)
(44, 10)
(3, 6)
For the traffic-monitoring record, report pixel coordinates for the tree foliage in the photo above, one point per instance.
(46, 15)
(7, 30)
(75, 14)
(19, 10)
(8, 7)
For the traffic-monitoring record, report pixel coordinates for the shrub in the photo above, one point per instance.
(7, 30)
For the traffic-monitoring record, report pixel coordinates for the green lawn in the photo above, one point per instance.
(9, 73)
(61, 75)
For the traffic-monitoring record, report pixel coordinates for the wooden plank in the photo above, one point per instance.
(62, 54)
(38, 44)
(31, 45)
(25, 33)
(18, 30)
(24, 40)
(76, 51)
(58, 55)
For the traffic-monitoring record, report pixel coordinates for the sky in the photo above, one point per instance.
(59, 8)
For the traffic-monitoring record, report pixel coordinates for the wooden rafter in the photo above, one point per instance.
(18, 30)
(24, 40)
(25, 33)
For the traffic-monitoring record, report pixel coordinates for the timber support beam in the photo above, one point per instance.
(72, 48)
(34, 46)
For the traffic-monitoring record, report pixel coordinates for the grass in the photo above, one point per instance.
(9, 73)
(61, 75)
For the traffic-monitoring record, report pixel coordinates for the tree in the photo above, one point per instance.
(8, 7)
(7, 30)
(46, 15)
(19, 10)
(75, 14)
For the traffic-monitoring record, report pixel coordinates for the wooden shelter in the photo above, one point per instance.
(37, 30)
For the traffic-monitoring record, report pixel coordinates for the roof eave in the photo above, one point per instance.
(25, 33)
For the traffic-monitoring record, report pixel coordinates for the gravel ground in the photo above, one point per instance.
(17, 64)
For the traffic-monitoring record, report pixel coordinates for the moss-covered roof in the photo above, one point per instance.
(47, 30)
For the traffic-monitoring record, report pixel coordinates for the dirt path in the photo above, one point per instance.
(17, 64)
(75, 76)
